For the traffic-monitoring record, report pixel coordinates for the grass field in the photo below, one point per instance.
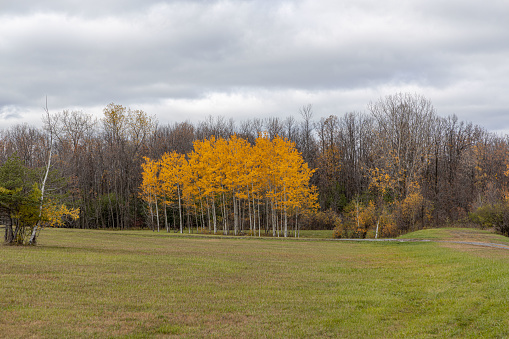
(138, 284)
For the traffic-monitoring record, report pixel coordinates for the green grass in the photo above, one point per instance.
(319, 234)
(459, 234)
(140, 284)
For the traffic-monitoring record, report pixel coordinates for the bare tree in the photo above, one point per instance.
(290, 128)
(246, 131)
(274, 127)
(306, 142)
(27, 142)
(404, 125)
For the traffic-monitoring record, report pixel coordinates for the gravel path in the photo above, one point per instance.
(485, 244)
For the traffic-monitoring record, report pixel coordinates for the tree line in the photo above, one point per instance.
(397, 167)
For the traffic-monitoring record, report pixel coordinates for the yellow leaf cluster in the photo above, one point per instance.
(53, 214)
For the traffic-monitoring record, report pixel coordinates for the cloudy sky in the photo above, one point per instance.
(183, 60)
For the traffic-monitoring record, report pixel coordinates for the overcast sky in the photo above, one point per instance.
(183, 60)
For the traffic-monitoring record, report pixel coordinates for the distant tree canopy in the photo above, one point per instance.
(396, 168)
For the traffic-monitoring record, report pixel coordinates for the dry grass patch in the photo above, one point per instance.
(478, 250)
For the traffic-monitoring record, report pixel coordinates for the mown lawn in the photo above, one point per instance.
(141, 284)
(458, 234)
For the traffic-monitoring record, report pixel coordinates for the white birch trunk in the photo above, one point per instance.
(166, 219)
(249, 212)
(208, 213)
(225, 221)
(157, 213)
(274, 218)
(48, 165)
(235, 215)
(214, 214)
(296, 223)
(286, 217)
(180, 210)
(257, 210)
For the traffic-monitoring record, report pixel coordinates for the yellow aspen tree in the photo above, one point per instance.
(172, 179)
(236, 177)
(283, 174)
(199, 160)
(257, 168)
(228, 169)
(219, 178)
(293, 176)
(188, 190)
(209, 183)
(249, 193)
(267, 159)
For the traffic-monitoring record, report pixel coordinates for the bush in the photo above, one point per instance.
(361, 221)
(493, 215)
(320, 221)
(387, 226)
(412, 213)
(358, 219)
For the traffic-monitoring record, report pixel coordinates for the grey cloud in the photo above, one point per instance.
(81, 8)
(90, 54)
(9, 113)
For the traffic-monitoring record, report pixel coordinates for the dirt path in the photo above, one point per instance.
(458, 236)
(475, 243)
(485, 244)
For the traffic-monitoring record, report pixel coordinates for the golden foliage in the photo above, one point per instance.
(269, 170)
(54, 214)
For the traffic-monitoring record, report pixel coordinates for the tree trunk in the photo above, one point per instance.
(235, 215)
(214, 218)
(32, 240)
(249, 213)
(274, 218)
(151, 215)
(208, 214)
(9, 234)
(180, 210)
(296, 223)
(166, 219)
(202, 216)
(286, 219)
(259, 220)
(157, 214)
(225, 217)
